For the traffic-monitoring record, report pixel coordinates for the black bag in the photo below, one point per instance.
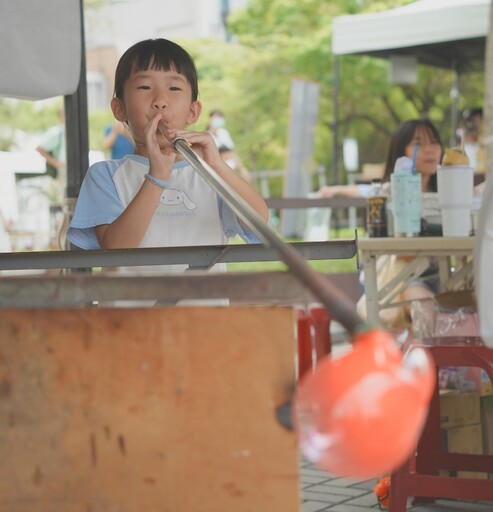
(50, 170)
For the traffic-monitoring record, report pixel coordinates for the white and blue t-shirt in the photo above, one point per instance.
(189, 211)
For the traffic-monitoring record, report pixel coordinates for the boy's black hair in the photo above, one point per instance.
(158, 54)
(402, 137)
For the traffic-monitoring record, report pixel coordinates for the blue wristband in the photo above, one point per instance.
(156, 181)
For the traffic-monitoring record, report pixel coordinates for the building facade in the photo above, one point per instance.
(118, 24)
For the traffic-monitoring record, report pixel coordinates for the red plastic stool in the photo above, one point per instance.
(313, 333)
(418, 476)
(321, 328)
(304, 335)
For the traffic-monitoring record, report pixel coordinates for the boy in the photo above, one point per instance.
(152, 198)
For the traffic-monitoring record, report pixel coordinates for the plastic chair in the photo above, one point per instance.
(418, 476)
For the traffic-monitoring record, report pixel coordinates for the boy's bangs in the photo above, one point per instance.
(155, 62)
(159, 61)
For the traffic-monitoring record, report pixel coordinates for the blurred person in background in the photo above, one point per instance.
(117, 141)
(52, 148)
(224, 142)
(470, 133)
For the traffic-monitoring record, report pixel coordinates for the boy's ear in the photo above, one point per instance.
(195, 111)
(118, 109)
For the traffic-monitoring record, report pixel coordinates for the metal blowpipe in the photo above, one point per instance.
(336, 303)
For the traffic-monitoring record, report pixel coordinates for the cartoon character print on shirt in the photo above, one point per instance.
(174, 197)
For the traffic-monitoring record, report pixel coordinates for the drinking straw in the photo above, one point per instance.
(415, 152)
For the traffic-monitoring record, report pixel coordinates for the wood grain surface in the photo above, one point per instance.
(146, 410)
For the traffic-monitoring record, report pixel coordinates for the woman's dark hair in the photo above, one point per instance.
(402, 137)
(158, 54)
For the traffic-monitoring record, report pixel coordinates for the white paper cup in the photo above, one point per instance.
(456, 221)
(455, 192)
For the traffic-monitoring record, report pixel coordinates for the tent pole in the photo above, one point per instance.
(335, 134)
(454, 97)
(335, 126)
(76, 125)
(77, 140)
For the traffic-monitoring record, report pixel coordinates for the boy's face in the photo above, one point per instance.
(147, 92)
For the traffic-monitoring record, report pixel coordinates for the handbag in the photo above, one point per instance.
(50, 169)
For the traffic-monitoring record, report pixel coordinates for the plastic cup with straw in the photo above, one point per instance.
(405, 186)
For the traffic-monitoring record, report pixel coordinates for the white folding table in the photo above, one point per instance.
(454, 256)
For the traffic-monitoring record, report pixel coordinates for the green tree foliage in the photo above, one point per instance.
(28, 116)
(236, 79)
(250, 79)
(296, 38)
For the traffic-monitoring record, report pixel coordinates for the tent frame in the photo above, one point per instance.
(77, 127)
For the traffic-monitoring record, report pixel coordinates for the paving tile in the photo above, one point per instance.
(313, 480)
(314, 506)
(353, 482)
(337, 490)
(348, 507)
(315, 473)
(325, 497)
(367, 499)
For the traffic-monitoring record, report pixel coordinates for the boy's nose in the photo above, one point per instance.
(159, 104)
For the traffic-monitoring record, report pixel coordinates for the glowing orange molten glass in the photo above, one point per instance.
(362, 413)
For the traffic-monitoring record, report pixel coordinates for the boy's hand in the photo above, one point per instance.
(161, 158)
(202, 143)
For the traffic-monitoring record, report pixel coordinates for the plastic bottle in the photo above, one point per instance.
(376, 211)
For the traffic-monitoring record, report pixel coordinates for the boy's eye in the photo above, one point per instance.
(145, 87)
(175, 89)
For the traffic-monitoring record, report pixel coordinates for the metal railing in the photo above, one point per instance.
(197, 257)
(80, 289)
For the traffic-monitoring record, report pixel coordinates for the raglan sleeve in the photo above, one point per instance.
(98, 203)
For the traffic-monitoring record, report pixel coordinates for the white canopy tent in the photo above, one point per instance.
(448, 34)
(43, 57)
(42, 54)
(443, 33)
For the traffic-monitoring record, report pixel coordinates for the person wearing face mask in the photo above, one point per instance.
(222, 137)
